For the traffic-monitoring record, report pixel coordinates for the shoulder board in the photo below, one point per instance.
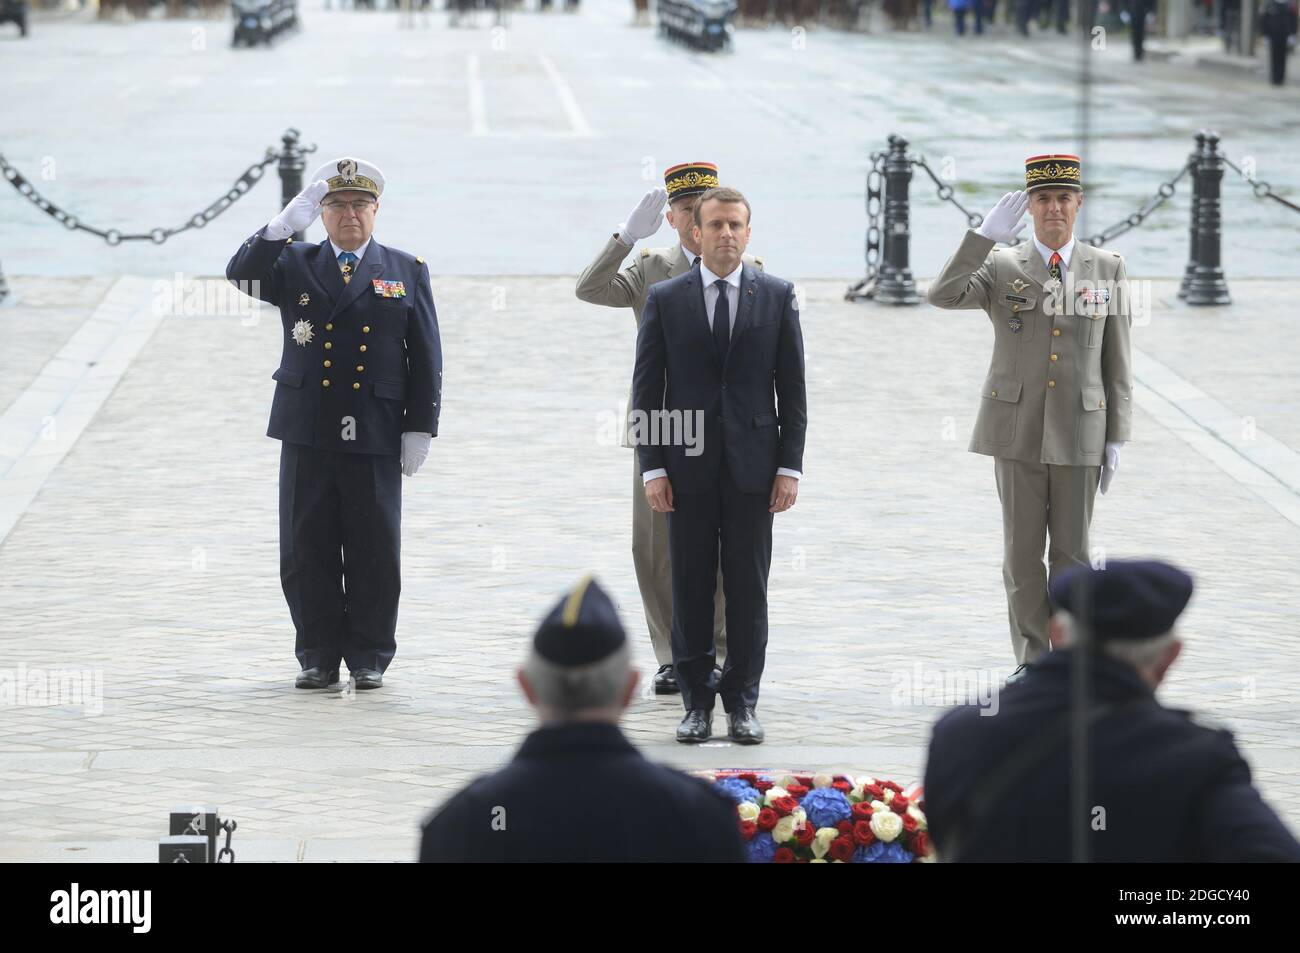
(758, 261)
(645, 253)
(419, 260)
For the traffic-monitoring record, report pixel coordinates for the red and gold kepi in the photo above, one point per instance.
(690, 178)
(1053, 172)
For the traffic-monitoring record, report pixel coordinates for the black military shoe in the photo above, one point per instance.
(666, 681)
(743, 727)
(366, 678)
(696, 726)
(316, 677)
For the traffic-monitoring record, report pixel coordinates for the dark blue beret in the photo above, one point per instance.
(581, 629)
(1130, 599)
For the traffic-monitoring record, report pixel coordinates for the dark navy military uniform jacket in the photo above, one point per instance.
(372, 369)
(1172, 789)
(581, 792)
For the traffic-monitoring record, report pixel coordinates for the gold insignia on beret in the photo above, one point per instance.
(1053, 171)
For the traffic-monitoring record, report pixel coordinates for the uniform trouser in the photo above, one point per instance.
(737, 526)
(1040, 500)
(340, 548)
(654, 576)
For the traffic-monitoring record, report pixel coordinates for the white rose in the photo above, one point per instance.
(889, 795)
(819, 860)
(916, 813)
(800, 817)
(822, 780)
(858, 794)
(886, 825)
(822, 841)
(785, 780)
(747, 810)
(879, 806)
(784, 830)
(773, 794)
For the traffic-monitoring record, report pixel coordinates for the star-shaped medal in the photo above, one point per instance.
(302, 333)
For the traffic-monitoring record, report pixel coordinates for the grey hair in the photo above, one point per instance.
(1141, 654)
(568, 690)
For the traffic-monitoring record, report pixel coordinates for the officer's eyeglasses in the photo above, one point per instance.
(357, 207)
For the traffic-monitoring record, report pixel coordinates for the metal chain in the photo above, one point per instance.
(115, 236)
(1162, 196)
(1261, 189)
(875, 206)
(227, 852)
(945, 192)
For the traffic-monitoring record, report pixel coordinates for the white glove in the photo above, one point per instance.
(645, 218)
(1002, 223)
(299, 213)
(415, 448)
(1108, 469)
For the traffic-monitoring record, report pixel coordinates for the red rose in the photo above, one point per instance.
(804, 835)
(748, 777)
(842, 786)
(804, 779)
(839, 777)
(783, 855)
(845, 827)
(841, 848)
(785, 805)
(899, 804)
(748, 829)
(910, 823)
(798, 790)
(767, 819)
(862, 811)
(863, 835)
(892, 786)
(763, 786)
(921, 845)
(876, 790)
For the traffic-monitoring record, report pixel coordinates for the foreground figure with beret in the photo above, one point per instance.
(356, 404)
(1165, 786)
(577, 790)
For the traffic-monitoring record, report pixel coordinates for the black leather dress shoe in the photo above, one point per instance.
(366, 678)
(666, 681)
(696, 726)
(316, 677)
(743, 727)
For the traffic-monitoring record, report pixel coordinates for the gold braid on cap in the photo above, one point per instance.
(359, 183)
(573, 604)
(692, 180)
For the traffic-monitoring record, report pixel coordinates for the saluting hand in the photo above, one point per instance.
(645, 219)
(302, 209)
(1002, 223)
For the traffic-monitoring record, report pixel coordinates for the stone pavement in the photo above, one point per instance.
(146, 559)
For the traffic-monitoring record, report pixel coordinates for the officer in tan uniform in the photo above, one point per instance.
(602, 282)
(1056, 406)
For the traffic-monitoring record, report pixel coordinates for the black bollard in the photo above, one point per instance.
(292, 162)
(1205, 284)
(894, 284)
(1193, 160)
(4, 286)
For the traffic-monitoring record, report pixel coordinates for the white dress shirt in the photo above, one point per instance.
(1064, 251)
(709, 280)
(360, 252)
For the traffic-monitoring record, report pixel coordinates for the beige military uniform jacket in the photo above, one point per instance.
(602, 282)
(1060, 383)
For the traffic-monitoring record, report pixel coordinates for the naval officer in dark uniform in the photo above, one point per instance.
(577, 790)
(356, 404)
(1166, 786)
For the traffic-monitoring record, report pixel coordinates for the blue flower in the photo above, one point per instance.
(738, 790)
(880, 853)
(826, 806)
(761, 848)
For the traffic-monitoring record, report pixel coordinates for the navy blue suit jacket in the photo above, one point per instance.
(1172, 789)
(754, 406)
(384, 354)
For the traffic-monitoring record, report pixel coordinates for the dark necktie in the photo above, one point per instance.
(721, 321)
(696, 261)
(346, 261)
(1054, 266)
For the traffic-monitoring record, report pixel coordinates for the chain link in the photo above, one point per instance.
(1261, 189)
(250, 177)
(1163, 194)
(227, 851)
(945, 193)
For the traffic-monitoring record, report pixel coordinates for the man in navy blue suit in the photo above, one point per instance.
(356, 404)
(719, 417)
